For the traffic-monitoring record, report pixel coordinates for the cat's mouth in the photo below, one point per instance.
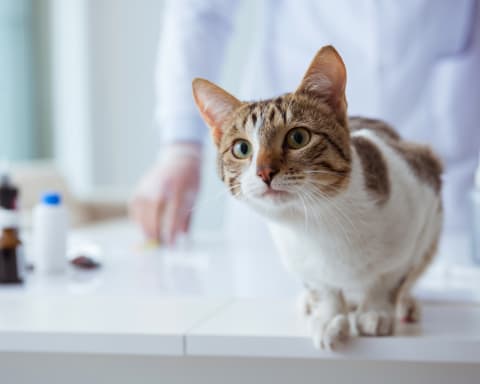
(276, 194)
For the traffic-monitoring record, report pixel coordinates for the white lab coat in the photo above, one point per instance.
(414, 63)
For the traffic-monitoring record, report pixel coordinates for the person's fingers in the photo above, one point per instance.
(185, 223)
(154, 212)
(144, 218)
(137, 212)
(147, 213)
(182, 210)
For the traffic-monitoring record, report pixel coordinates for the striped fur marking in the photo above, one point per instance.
(375, 171)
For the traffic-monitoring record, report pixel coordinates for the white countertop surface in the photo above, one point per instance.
(191, 302)
(113, 325)
(448, 333)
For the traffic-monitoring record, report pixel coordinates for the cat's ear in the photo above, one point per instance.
(214, 104)
(326, 78)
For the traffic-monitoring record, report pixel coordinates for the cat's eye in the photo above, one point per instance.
(241, 149)
(297, 138)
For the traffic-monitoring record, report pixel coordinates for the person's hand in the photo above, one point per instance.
(163, 200)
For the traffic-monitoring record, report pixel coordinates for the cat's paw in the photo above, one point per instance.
(375, 323)
(328, 334)
(408, 310)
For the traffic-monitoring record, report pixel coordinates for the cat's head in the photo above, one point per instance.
(285, 152)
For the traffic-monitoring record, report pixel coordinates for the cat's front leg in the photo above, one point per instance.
(329, 318)
(376, 311)
(306, 301)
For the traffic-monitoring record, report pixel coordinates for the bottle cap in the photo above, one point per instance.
(51, 198)
(8, 219)
(4, 172)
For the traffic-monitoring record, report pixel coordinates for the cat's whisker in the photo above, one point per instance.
(346, 225)
(307, 203)
(311, 202)
(333, 204)
(330, 203)
(305, 211)
(319, 171)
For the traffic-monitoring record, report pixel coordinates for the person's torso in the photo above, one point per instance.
(389, 49)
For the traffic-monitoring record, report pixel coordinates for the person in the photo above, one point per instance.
(413, 63)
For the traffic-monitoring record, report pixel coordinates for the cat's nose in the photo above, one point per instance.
(266, 174)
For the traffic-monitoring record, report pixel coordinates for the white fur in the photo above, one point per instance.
(350, 248)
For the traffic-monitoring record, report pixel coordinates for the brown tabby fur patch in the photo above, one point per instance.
(375, 171)
(426, 166)
(423, 162)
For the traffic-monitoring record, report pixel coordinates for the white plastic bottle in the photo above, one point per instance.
(49, 242)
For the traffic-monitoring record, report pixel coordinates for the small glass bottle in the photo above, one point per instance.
(11, 262)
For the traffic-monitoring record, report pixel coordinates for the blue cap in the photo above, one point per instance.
(51, 198)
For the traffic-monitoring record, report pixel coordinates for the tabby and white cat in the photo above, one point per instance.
(355, 211)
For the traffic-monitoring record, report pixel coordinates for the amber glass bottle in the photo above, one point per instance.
(10, 248)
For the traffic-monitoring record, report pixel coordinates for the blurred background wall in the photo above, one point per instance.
(76, 91)
(16, 81)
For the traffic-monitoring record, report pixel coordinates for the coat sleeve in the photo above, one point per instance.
(455, 102)
(192, 44)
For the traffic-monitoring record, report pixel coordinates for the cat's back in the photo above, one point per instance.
(374, 141)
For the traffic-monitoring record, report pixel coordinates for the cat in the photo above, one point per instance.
(354, 209)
